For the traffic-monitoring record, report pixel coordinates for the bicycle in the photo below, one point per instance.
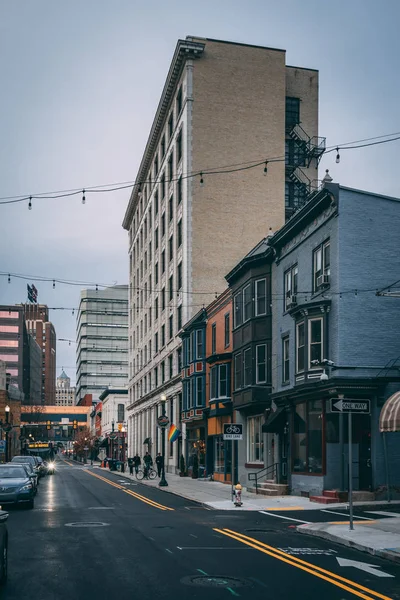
(146, 473)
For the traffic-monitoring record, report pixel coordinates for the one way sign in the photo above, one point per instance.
(347, 405)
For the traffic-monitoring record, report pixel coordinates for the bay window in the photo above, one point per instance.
(315, 342)
(247, 299)
(321, 265)
(261, 297)
(290, 285)
(238, 371)
(255, 443)
(300, 347)
(285, 360)
(247, 378)
(261, 363)
(237, 310)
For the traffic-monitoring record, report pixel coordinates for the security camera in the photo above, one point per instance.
(330, 363)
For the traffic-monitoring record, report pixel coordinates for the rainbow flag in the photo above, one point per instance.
(173, 433)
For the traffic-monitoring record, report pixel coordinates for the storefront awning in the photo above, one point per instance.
(389, 419)
(276, 421)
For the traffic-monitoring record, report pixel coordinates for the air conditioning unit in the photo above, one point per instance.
(322, 280)
(291, 301)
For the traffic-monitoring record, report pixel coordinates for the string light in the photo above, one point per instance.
(266, 167)
(337, 156)
(201, 180)
(83, 197)
(54, 284)
(9, 278)
(30, 203)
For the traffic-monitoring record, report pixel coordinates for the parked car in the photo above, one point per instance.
(3, 546)
(28, 459)
(16, 486)
(30, 468)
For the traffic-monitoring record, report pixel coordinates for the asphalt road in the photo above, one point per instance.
(95, 535)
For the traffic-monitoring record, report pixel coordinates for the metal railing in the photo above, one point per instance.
(272, 470)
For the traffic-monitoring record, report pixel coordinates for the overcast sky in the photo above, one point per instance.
(81, 80)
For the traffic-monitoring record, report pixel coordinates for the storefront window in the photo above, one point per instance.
(255, 442)
(219, 454)
(307, 437)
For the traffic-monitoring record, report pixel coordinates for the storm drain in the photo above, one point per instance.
(87, 524)
(215, 581)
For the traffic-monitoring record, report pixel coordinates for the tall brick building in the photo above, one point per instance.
(42, 330)
(223, 105)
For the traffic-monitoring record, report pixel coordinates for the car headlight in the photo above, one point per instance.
(52, 465)
(26, 487)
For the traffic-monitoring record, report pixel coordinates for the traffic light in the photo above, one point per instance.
(119, 426)
(48, 424)
(75, 424)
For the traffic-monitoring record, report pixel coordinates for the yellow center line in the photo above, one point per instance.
(68, 463)
(303, 565)
(152, 503)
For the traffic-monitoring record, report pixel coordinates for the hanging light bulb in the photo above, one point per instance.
(54, 284)
(355, 293)
(337, 156)
(201, 180)
(97, 288)
(30, 203)
(73, 312)
(9, 278)
(83, 197)
(266, 167)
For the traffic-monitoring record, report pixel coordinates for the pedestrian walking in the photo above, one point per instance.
(136, 462)
(159, 463)
(148, 461)
(130, 465)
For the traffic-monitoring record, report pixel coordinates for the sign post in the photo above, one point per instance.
(350, 406)
(233, 432)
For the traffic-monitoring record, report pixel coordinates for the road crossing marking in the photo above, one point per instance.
(319, 572)
(383, 513)
(284, 517)
(152, 503)
(333, 512)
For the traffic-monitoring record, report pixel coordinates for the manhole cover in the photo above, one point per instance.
(215, 581)
(87, 524)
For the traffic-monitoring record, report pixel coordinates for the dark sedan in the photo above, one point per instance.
(16, 486)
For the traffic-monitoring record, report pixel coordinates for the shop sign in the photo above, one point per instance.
(162, 421)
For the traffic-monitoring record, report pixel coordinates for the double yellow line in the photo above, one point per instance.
(131, 493)
(328, 576)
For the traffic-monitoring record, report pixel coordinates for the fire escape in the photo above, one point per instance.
(301, 152)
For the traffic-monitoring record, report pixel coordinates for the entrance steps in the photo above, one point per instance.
(335, 496)
(270, 488)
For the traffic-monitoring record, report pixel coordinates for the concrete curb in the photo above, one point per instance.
(393, 556)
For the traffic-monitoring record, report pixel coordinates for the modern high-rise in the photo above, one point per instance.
(232, 152)
(65, 394)
(102, 341)
(42, 330)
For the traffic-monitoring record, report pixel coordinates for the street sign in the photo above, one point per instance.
(86, 448)
(162, 421)
(233, 431)
(349, 405)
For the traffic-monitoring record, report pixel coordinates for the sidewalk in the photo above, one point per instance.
(216, 495)
(380, 538)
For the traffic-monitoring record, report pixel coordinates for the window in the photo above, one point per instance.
(179, 233)
(238, 371)
(285, 360)
(261, 363)
(213, 338)
(199, 345)
(162, 336)
(295, 195)
(162, 146)
(179, 283)
(295, 153)
(163, 261)
(307, 437)
(163, 298)
(290, 282)
(214, 383)
(9, 343)
(156, 273)
(162, 185)
(163, 224)
(156, 377)
(171, 167)
(179, 359)
(255, 441)
(155, 167)
(321, 265)
(121, 413)
(179, 147)
(179, 190)
(171, 247)
(315, 342)
(179, 101)
(170, 125)
(171, 327)
(156, 238)
(223, 388)
(247, 303)
(171, 366)
(261, 297)
(179, 318)
(227, 330)
(170, 209)
(300, 347)
(237, 310)
(292, 112)
(8, 314)
(156, 203)
(156, 308)
(163, 371)
(171, 287)
(247, 378)
(199, 391)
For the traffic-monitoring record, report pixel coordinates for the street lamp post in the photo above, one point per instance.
(163, 482)
(7, 409)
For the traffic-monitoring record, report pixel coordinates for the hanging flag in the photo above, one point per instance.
(173, 433)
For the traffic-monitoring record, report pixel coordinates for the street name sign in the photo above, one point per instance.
(348, 405)
(233, 431)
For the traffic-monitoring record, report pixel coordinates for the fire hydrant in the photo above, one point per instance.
(237, 499)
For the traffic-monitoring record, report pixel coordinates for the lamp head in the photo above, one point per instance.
(7, 409)
(163, 398)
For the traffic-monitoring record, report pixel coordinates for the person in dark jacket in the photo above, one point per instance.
(130, 465)
(148, 462)
(136, 463)
(159, 463)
